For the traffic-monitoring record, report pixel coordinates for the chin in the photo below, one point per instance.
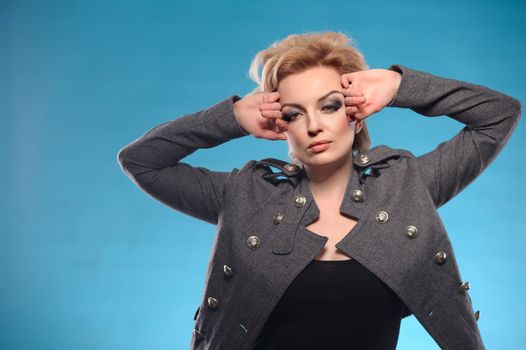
(325, 158)
(319, 160)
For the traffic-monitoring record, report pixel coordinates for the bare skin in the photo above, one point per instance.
(336, 119)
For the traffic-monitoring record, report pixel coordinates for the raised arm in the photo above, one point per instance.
(152, 161)
(490, 118)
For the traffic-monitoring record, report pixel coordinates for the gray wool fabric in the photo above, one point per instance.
(245, 280)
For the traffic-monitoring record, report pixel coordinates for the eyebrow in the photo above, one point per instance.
(320, 99)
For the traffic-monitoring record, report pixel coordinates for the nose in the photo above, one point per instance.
(313, 124)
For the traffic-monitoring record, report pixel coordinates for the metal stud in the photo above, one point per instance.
(464, 287)
(477, 315)
(253, 242)
(411, 231)
(196, 333)
(278, 218)
(357, 196)
(382, 217)
(197, 312)
(300, 200)
(213, 302)
(363, 158)
(440, 258)
(290, 167)
(227, 270)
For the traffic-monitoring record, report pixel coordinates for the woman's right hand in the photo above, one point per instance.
(259, 113)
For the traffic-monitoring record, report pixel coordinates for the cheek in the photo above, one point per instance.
(345, 132)
(343, 126)
(293, 136)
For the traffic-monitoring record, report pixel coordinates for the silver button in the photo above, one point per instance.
(464, 287)
(278, 218)
(196, 333)
(357, 196)
(300, 200)
(440, 258)
(363, 158)
(411, 231)
(477, 315)
(227, 270)
(213, 303)
(253, 242)
(290, 167)
(382, 217)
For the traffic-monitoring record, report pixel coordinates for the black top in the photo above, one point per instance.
(334, 304)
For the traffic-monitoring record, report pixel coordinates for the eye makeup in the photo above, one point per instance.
(331, 106)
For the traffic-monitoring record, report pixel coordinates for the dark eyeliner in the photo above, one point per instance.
(336, 105)
(288, 116)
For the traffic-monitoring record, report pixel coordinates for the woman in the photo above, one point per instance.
(333, 250)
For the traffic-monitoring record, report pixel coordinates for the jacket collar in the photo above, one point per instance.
(376, 157)
(295, 174)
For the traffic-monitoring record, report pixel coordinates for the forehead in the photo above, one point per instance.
(309, 85)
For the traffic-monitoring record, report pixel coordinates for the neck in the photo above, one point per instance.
(329, 179)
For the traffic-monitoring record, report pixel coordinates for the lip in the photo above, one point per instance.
(318, 142)
(320, 146)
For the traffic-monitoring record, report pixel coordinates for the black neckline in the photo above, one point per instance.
(332, 261)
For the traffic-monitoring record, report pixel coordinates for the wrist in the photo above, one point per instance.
(397, 79)
(237, 107)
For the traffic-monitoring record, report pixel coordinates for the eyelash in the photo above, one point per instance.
(290, 116)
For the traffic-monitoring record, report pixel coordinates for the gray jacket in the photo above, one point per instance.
(260, 211)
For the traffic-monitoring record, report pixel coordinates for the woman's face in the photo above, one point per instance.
(314, 108)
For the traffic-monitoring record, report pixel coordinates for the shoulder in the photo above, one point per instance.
(381, 155)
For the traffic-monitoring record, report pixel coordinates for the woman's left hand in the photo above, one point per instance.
(378, 86)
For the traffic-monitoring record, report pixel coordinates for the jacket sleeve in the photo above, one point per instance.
(153, 163)
(490, 118)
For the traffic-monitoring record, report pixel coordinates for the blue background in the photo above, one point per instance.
(88, 261)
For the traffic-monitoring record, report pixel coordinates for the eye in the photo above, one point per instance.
(333, 106)
(288, 117)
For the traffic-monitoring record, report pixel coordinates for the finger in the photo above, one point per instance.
(272, 135)
(265, 98)
(355, 113)
(270, 105)
(282, 124)
(347, 79)
(354, 100)
(363, 112)
(344, 81)
(351, 111)
(278, 125)
(271, 114)
(352, 91)
(273, 96)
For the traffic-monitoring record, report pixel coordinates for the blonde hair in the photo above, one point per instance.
(298, 52)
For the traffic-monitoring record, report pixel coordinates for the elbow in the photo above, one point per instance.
(515, 112)
(126, 167)
(133, 167)
(513, 105)
(121, 158)
(518, 106)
